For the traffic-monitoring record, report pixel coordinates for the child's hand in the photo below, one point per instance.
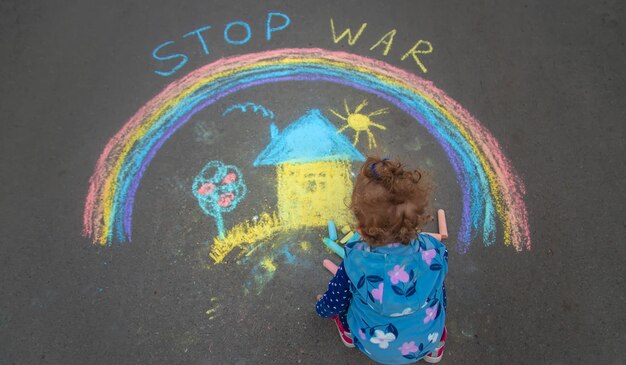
(319, 296)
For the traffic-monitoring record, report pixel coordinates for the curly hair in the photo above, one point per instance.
(390, 203)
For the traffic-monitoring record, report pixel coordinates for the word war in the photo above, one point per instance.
(421, 47)
(232, 35)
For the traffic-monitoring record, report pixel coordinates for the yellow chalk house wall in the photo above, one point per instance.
(310, 194)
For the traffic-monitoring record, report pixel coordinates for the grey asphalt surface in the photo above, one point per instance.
(546, 78)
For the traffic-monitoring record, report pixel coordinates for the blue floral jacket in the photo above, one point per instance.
(396, 314)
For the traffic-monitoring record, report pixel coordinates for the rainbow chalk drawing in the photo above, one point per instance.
(219, 188)
(490, 188)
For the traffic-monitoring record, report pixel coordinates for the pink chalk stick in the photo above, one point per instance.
(441, 221)
(330, 266)
(443, 227)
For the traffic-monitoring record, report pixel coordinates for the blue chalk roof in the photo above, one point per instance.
(311, 138)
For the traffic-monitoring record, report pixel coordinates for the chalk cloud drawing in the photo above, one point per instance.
(256, 108)
(219, 188)
(314, 184)
(361, 122)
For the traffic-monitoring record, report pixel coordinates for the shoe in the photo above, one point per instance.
(346, 337)
(435, 356)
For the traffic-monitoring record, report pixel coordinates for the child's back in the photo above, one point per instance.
(389, 291)
(397, 312)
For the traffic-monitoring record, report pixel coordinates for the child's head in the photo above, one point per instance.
(389, 202)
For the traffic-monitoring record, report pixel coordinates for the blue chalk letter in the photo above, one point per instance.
(170, 57)
(268, 25)
(243, 41)
(200, 38)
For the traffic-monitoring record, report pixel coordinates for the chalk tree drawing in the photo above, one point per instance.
(219, 188)
(361, 122)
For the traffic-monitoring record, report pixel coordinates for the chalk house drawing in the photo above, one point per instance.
(313, 181)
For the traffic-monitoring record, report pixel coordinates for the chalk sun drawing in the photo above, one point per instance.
(361, 122)
(490, 188)
(219, 188)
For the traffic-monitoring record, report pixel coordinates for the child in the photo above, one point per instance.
(388, 296)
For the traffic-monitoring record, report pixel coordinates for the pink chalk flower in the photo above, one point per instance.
(431, 313)
(378, 292)
(428, 255)
(206, 189)
(225, 200)
(398, 275)
(229, 178)
(382, 339)
(408, 347)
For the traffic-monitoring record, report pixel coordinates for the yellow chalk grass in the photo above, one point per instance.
(245, 233)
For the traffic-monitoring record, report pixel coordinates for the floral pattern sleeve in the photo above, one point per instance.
(337, 298)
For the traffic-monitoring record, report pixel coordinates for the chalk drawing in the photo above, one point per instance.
(311, 194)
(206, 132)
(311, 138)
(198, 33)
(348, 32)
(490, 188)
(416, 50)
(213, 309)
(245, 39)
(219, 188)
(160, 54)
(313, 172)
(361, 122)
(256, 108)
(313, 185)
(183, 59)
(268, 24)
(415, 145)
(244, 233)
(270, 258)
(421, 47)
(387, 40)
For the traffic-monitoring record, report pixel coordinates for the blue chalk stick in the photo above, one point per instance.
(332, 230)
(335, 247)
